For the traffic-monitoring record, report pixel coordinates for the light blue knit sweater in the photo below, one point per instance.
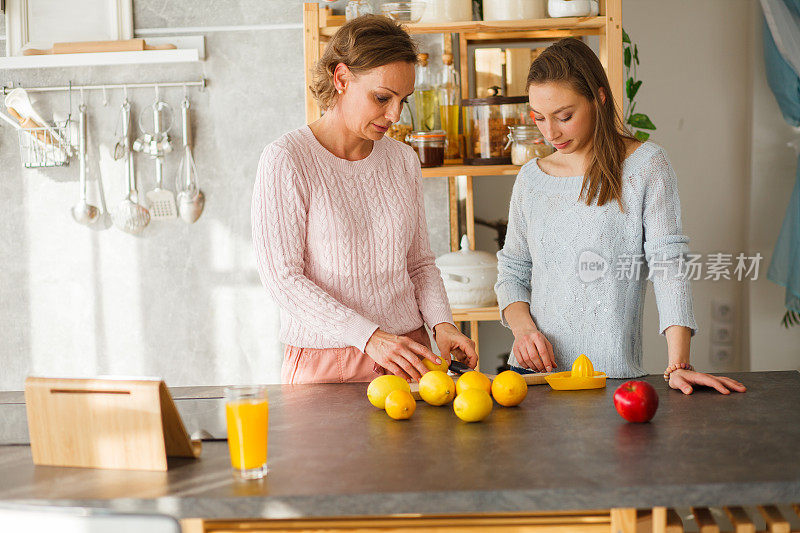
(576, 265)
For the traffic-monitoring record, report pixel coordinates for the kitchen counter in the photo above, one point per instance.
(332, 454)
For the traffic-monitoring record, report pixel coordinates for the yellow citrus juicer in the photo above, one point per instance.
(582, 376)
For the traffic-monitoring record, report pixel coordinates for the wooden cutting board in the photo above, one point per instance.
(127, 424)
(531, 379)
(127, 45)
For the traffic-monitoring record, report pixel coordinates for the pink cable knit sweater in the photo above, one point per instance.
(342, 246)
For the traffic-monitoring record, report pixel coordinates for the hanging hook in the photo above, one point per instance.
(83, 105)
(69, 97)
(185, 92)
(105, 97)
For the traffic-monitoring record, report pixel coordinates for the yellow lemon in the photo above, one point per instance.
(437, 388)
(380, 387)
(473, 380)
(473, 405)
(400, 405)
(509, 388)
(430, 365)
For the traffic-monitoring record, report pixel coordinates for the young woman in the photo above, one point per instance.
(588, 225)
(339, 223)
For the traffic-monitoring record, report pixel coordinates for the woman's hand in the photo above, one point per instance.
(684, 379)
(399, 355)
(533, 350)
(455, 345)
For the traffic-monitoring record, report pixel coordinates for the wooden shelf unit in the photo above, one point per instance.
(470, 170)
(479, 26)
(320, 24)
(476, 314)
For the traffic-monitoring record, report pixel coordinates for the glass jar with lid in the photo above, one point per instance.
(429, 146)
(526, 142)
(447, 11)
(514, 9)
(486, 123)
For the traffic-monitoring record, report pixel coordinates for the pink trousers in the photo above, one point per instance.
(335, 365)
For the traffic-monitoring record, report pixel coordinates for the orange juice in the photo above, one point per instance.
(247, 432)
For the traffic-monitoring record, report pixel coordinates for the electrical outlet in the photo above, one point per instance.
(721, 356)
(722, 311)
(721, 333)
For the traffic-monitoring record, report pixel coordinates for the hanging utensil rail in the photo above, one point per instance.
(201, 83)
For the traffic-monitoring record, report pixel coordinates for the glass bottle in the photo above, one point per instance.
(425, 97)
(356, 8)
(449, 106)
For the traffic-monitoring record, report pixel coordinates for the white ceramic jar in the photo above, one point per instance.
(469, 277)
(447, 11)
(573, 8)
(513, 9)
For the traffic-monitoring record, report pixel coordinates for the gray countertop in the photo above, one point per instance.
(332, 454)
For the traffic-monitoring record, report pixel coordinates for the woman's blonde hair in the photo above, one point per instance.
(364, 43)
(571, 61)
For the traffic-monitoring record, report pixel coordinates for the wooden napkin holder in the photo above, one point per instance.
(127, 424)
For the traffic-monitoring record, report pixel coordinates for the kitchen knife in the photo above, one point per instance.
(457, 367)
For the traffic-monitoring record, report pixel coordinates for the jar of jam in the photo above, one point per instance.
(429, 146)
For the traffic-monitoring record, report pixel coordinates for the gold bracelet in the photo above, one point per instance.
(675, 366)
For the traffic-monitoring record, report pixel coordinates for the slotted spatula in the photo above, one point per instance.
(162, 201)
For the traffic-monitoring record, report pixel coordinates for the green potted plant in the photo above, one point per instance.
(638, 121)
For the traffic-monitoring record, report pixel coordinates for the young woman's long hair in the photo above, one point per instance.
(571, 61)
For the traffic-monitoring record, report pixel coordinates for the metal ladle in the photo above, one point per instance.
(83, 212)
(130, 216)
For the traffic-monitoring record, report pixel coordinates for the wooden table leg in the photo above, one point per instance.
(776, 523)
(659, 520)
(623, 520)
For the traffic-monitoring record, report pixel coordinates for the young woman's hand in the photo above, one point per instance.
(683, 380)
(533, 350)
(455, 345)
(399, 355)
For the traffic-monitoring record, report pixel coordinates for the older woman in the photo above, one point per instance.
(339, 224)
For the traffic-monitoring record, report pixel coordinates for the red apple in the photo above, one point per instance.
(636, 401)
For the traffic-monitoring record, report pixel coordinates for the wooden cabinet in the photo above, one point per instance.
(320, 24)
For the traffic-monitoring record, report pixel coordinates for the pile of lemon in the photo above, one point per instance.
(471, 395)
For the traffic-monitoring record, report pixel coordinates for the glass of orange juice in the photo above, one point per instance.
(247, 414)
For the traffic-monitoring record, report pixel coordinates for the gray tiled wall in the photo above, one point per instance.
(181, 301)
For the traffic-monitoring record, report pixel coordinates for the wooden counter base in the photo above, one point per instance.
(657, 520)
